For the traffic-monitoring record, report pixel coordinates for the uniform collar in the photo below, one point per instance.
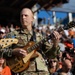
(27, 32)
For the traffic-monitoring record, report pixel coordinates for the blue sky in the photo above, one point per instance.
(48, 14)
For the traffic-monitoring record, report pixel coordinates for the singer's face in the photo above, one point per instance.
(26, 17)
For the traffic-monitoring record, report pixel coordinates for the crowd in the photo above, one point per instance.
(52, 54)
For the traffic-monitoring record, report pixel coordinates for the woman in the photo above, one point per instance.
(53, 65)
(4, 70)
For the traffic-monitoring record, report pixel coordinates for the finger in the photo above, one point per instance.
(55, 34)
(23, 52)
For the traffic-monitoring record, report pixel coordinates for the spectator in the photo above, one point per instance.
(66, 67)
(53, 65)
(4, 69)
(12, 27)
(2, 33)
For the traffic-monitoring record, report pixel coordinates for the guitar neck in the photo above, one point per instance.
(36, 45)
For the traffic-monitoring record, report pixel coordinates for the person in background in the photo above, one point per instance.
(53, 65)
(4, 69)
(11, 27)
(73, 40)
(17, 27)
(2, 33)
(66, 67)
(7, 29)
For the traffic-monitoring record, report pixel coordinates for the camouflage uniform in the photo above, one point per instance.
(52, 52)
(37, 65)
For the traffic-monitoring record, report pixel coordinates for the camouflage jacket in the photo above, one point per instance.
(24, 37)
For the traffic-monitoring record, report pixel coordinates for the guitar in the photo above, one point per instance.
(18, 64)
(7, 42)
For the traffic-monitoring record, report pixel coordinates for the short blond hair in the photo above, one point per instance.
(29, 10)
